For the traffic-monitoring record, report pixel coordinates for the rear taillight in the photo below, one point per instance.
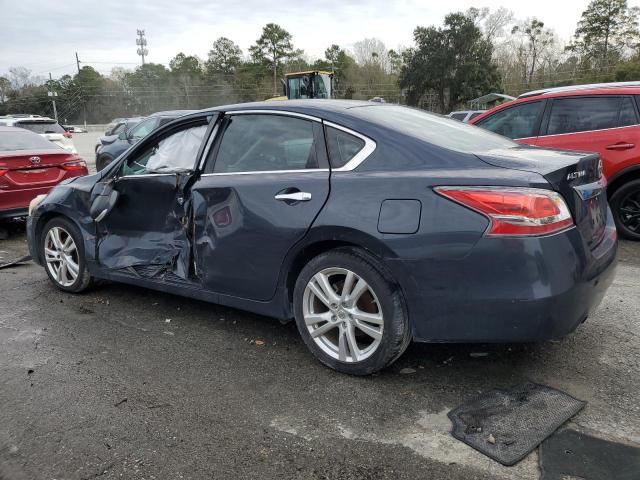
(67, 134)
(75, 166)
(3, 171)
(513, 210)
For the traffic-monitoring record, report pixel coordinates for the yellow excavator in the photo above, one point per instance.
(309, 84)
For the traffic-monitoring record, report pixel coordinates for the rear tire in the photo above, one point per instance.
(360, 325)
(102, 161)
(62, 252)
(625, 205)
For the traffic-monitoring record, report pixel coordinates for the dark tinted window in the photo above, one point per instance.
(255, 143)
(627, 113)
(459, 116)
(41, 127)
(342, 146)
(475, 114)
(435, 129)
(582, 114)
(518, 121)
(20, 140)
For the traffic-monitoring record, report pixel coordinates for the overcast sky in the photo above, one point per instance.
(44, 35)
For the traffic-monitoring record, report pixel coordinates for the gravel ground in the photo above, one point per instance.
(123, 382)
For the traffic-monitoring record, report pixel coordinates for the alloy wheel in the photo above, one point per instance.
(629, 211)
(61, 256)
(343, 314)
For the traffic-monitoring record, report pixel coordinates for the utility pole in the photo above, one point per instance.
(142, 45)
(53, 94)
(84, 103)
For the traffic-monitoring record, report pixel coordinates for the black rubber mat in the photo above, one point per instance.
(571, 454)
(506, 425)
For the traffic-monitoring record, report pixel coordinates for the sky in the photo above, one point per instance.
(43, 36)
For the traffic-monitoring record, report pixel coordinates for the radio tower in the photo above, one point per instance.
(142, 45)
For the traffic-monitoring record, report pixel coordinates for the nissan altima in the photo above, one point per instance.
(370, 224)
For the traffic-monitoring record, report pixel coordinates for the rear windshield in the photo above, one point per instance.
(41, 127)
(435, 129)
(20, 140)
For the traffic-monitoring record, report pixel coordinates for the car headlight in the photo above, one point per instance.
(33, 204)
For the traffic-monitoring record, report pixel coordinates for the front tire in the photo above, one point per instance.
(625, 205)
(62, 252)
(349, 312)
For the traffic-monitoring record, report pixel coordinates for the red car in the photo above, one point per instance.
(29, 166)
(603, 118)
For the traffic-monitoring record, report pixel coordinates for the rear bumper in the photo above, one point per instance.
(509, 289)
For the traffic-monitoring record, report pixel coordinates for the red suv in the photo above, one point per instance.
(601, 118)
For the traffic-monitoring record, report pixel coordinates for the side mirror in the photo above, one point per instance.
(103, 202)
(122, 135)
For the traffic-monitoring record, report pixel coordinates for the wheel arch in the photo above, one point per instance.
(321, 240)
(624, 176)
(49, 215)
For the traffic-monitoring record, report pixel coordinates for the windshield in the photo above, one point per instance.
(41, 127)
(21, 140)
(299, 88)
(321, 86)
(435, 129)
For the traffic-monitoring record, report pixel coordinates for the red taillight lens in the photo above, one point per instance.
(75, 166)
(512, 210)
(3, 171)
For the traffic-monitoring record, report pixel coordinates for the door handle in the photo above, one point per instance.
(294, 197)
(620, 146)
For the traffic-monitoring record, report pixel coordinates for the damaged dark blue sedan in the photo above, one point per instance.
(370, 224)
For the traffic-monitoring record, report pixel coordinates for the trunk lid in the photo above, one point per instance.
(27, 168)
(577, 176)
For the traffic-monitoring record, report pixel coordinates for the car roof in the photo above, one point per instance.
(6, 129)
(32, 120)
(590, 88)
(172, 113)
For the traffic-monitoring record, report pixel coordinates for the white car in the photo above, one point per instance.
(47, 127)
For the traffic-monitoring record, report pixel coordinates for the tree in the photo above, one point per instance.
(224, 57)
(371, 51)
(5, 86)
(535, 41)
(453, 61)
(272, 48)
(606, 28)
(332, 53)
(492, 24)
(183, 64)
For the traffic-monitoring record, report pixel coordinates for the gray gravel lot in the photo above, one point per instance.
(123, 382)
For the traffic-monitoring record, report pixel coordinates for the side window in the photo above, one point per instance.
(627, 113)
(257, 143)
(342, 146)
(459, 116)
(581, 114)
(144, 128)
(514, 122)
(175, 153)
